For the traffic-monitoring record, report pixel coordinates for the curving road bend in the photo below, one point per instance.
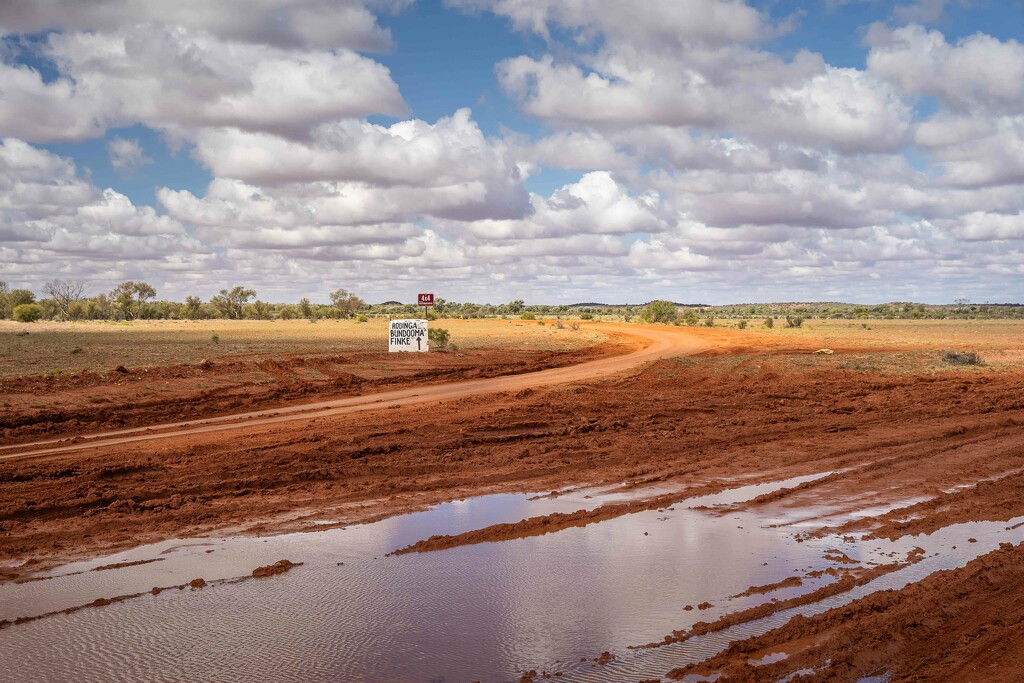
(656, 343)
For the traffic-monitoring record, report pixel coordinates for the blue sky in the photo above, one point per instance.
(444, 59)
(710, 149)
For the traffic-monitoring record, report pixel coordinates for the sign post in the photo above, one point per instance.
(407, 335)
(425, 300)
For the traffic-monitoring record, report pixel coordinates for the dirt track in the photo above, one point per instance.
(115, 401)
(749, 407)
(650, 343)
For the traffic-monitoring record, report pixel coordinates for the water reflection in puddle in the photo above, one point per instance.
(771, 658)
(484, 612)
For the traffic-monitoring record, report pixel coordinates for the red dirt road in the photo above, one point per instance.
(651, 343)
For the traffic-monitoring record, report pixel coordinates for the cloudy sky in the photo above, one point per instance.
(551, 150)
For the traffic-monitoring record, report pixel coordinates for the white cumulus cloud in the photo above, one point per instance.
(126, 156)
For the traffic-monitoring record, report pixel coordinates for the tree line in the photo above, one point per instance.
(65, 300)
(130, 300)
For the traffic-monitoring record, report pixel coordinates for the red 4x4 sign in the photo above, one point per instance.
(426, 300)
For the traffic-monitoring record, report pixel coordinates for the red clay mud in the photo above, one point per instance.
(706, 420)
(547, 524)
(848, 580)
(993, 500)
(958, 625)
(747, 410)
(123, 565)
(51, 405)
(791, 582)
(279, 567)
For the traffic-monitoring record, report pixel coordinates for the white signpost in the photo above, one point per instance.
(407, 335)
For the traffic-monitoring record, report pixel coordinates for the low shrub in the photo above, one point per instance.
(742, 324)
(659, 312)
(438, 337)
(792, 321)
(527, 316)
(960, 358)
(27, 313)
(586, 316)
(769, 323)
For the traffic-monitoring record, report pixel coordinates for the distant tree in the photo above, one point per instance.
(78, 310)
(143, 293)
(345, 303)
(98, 307)
(63, 293)
(659, 312)
(229, 303)
(305, 308)
(260, 310)
(516, 307)
(28, 313)
(123, 297)
(17, 297)
(193, 309)
(12, 298)
(129, 297)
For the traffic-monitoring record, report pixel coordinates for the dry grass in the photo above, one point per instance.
(51, 347)
(887, 346)
(875, 363)
(974, 335)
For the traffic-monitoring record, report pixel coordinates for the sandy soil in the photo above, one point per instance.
(742, 405)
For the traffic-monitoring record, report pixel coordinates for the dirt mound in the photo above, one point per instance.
(538, 526)
(279, 567)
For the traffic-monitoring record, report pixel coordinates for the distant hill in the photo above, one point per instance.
(591, 304)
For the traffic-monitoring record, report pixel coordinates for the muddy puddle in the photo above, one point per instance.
(481, 612)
